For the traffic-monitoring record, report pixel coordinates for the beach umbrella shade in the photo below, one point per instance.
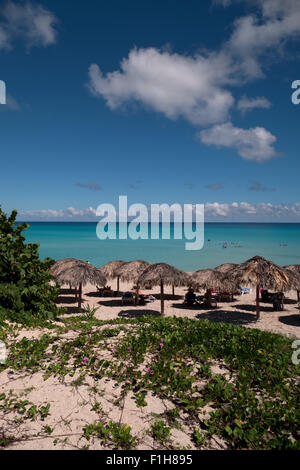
(163, 274)
(80, 274)
(260, 273)
(224, 268)
(209, 279)
(110, 270)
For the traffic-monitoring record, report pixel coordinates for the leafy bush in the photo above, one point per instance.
(25, 290)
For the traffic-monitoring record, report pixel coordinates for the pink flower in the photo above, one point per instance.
(161, 345)
(128, 349)
(84, 361)
(150, 371)
(113, 348)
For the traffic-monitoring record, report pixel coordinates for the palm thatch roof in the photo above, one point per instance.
(224, 268)
(62, 264)
(211, 279)
(293, 267)
(132, 270)
(162, 272)
(80, 274)
(294, 273)
(261, 272)
(110, 270)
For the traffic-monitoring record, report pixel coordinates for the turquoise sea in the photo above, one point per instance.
(224, 242)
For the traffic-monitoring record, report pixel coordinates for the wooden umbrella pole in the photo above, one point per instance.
(137, 293)
(173, 290)
(118, 284)
(257, 303)
(162, 306)
(209, 296)
(80, 296)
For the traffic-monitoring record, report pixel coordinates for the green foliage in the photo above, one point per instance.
(25, 291)
(160, 431)
(112, 433)
(252, 404)
(199, 437)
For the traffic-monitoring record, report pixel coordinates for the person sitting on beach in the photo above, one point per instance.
(190, 297)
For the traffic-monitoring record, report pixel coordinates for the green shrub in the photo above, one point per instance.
(25, 290)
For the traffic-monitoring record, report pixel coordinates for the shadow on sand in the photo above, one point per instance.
(138, 313)
(98, 294)
(225, 316)
(168, 296)
(111, 303)
(183, 306)
(292, 320)
(65, 300)
(252, 308)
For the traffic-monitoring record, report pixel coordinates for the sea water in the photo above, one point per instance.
(224, 243)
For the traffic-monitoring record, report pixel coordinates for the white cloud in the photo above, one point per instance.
(199, 88)
(251, 144)
(31, 22)
(245, 211)
(247, 104)
(254, 35)
(175, 85)
(214, 211)
(68, 214)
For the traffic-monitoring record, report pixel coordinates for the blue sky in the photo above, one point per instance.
(161, 101)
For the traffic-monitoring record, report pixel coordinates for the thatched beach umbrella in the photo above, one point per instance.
(224, 268)
(80, 274)
(295, 269)
(259, 273)
(62, 264)
(163, 274)
(131, 272)
(110, 270)
(209, 279)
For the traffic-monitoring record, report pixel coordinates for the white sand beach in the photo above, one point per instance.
(240, 312)
(73, 406)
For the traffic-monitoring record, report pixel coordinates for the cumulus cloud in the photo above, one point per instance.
(254, 35)
(92, 186)
(175, 85)
(29, 21)
(199, 88)
(248, 104)
(251, 144)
